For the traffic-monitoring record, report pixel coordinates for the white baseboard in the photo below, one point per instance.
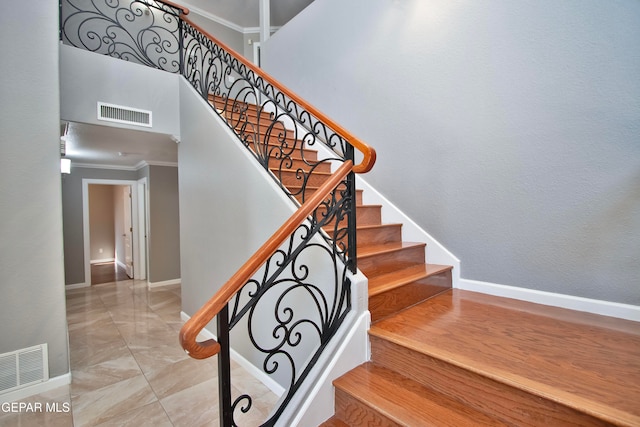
(165, 283)
(121, 264)
(240, 360)
(42, 387)
(605, 308)
(77, 286)
(100, 261)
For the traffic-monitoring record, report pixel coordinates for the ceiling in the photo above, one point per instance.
(108, 146)
(246, 13)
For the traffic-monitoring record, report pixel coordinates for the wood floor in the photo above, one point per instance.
(107, 272)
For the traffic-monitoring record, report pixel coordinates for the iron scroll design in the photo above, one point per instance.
(282, 135)
(290, 317)
(286, 313)
(146, 32)
(291, 309)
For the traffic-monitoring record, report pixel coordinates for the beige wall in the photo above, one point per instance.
(101, 222)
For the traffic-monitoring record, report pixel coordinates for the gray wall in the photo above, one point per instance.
(32, 307)
(508, 130)
(164, 224)
(226, 35)
(72, 216)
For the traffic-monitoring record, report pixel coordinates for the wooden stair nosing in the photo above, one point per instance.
(334, 422)
(388, 281)
(485, 387)
(380, 396)
(373, 250)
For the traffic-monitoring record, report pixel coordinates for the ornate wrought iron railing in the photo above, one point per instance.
(147, 32)
(291, 297)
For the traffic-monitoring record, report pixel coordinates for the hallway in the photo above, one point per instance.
(106, 272)
(128, 368)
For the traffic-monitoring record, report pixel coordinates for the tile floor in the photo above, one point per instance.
(128, 369)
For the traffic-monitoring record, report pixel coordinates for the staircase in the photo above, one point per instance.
(444, 357)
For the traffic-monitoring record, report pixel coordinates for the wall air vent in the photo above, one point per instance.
(120, 114)
(23, 367)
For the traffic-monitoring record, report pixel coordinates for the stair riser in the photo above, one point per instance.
(368, 215)
(294, 179)
(355, 413)
(310, 191)
(273, 138)
(296, 164)
(496, 399)
(380, 235)
(387, 262)
(264, 129)
(364, 215)
(251, 116)
(275, 151)
(392, 301)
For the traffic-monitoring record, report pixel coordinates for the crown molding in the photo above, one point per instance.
(144, 163)
(222, 21)
(102, 166)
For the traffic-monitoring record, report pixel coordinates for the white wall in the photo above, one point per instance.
(229, 207)
(508, 130)
(32, 306)
(86, 78)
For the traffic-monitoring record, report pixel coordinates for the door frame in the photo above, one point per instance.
(140, 273)
(85, 222)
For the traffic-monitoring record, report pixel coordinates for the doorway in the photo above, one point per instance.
(114, 228)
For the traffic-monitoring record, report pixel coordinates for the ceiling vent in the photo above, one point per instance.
(23, 367)
(126, 115)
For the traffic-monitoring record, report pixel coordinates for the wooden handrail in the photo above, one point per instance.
(368, 152)
(183, 10)
(191, 329)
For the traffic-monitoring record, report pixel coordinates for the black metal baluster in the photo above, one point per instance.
(224, 369)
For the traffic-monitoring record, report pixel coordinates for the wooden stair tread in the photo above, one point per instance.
(557, 354)
(393, 280)
(403, 401)
(294, 171)
(386, 224)
(334, 422)
(370, 250)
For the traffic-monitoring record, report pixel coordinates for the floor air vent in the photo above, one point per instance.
(120, 114)
(23, 367)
